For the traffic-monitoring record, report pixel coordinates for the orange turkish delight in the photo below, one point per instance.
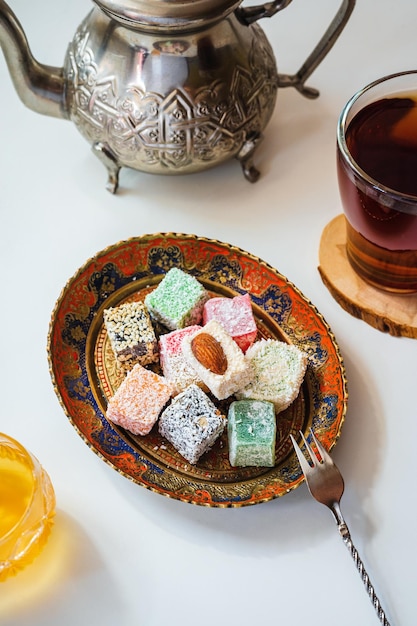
(139, 400)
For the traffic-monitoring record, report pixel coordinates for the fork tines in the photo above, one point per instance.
(305, 466)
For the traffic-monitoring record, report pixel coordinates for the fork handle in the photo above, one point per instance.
(345, 534)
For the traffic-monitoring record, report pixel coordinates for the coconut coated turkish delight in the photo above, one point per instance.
(192, 423)
(279, 370)
(177, 301)
(251, 427)
(236, 317)
(139, 400)
(218, 360)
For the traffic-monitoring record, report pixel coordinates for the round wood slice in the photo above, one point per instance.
(390, 313)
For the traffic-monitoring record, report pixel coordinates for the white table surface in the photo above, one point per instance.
(119, 554)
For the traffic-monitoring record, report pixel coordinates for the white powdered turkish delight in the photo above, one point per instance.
(279, 369)
(218, 360)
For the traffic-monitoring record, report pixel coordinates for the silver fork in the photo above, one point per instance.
(326, 485)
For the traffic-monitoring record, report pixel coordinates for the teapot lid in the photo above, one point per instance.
(170, 15)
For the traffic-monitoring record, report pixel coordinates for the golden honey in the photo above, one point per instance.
(27, 507)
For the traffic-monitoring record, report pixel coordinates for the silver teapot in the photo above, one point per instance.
(164, 86)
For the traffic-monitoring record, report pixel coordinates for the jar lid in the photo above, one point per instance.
(169, 15)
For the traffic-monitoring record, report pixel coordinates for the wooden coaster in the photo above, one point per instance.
(390, 313)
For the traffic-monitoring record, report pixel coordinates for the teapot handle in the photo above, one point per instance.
(250, 15)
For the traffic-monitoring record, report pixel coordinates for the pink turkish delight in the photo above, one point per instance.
(236, 317)
(175, 367)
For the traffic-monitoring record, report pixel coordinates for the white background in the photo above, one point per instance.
(121, 555)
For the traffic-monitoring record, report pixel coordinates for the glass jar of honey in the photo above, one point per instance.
(27, 507)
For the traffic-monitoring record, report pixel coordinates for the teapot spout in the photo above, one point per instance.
(40, 87)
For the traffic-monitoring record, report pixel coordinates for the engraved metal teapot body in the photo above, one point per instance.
(164, 86)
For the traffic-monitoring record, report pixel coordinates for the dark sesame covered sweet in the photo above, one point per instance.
(131, 335)
(192, 423)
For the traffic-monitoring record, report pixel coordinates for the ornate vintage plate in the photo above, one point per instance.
(85, 375)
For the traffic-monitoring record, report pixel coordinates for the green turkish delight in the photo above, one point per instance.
(251, 432)
(177, 301)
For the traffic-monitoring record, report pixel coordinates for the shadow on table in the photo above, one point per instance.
(60, 582)
(361, 447)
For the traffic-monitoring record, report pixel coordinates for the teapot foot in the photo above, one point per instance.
(250, 172)
(245, 157)
(106, 156)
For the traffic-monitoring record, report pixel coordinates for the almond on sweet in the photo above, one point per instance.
(217, 360)
(209, 352)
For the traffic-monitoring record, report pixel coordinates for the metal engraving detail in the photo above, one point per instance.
(182, 130)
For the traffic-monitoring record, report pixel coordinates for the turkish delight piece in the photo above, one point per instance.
(174, 365)
(218, 360)
(192, 423)
(279, 371)
(131, 334)
(177, 301)
(251, 431)
(236, 317)
(139, 400)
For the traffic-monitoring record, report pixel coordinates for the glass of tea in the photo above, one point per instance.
(27, 507)
(377, 173)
